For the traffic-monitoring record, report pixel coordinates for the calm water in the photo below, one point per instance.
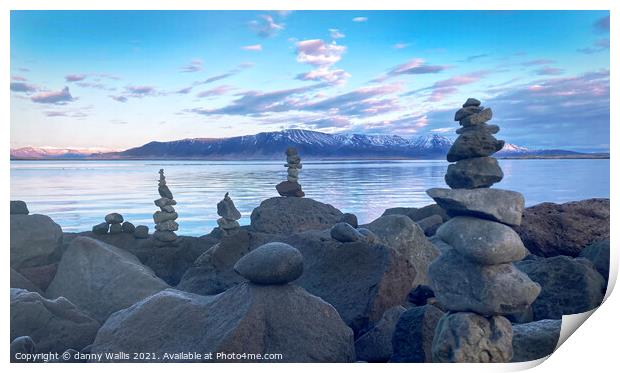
(78, 194)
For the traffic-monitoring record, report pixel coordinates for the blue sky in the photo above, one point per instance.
(95, 79)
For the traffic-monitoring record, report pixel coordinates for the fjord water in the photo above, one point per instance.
(78, 194)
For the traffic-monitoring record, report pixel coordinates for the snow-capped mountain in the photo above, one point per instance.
(270, 145)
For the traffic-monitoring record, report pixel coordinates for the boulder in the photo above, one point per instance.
(116, 228)
(417, 214)
(500, 205)
(53, 324)
(598, 254)
(551, 229)
(290, 188)
(102, 279)
(474, 173)
(569, 286)
(464, 286)
(19, 208)
(535, 340)
(40, 276)
(291, 215)
(482, 241)
(413, 335)
(128, 227)
(20, 282)
(472, 144)
(375, 346)
(466, 337)
(271, 264)
(350, 219)
(142, 231)
(114, 218)
(23, 345)
(430, 225)
(35, 240)
(420, 295)
(212, 273)
(101, 228)
(344, 232)
(406, 237)
(248, 318)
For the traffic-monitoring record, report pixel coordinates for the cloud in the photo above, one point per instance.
(193, 67)
(365, 101)
(474, 57)
(336, 34)
(442, 88)
(540, 61)
(602, 24)
(95, 86)
(548, 70)
(23, 87)
(599, 45)
(184, 91)
(400, 45)
(265, 26)
(75, 77)
(331, 76)
(217, 91)
(415, 66)
(122, 99)
(140, 91)
(318, 53)
(18, 78)
(253, 47)
(53, 97)
(236, 70)
(360, 19)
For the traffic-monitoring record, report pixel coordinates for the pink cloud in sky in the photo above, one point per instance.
(53, 97)
(253, 47)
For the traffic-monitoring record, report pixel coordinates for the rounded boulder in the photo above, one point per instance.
(271, 264)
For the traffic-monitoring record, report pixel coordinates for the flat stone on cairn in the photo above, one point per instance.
(291, 187)
(165, 224)
(275, 263)
(474, 277)
(229, 215)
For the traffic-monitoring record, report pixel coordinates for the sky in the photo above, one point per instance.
(119, 79)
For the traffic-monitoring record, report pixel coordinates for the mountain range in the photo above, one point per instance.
(271, 145)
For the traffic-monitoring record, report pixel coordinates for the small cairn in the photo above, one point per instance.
(291, 187)
(474, 279)
(165, 223)
(115, 223)
(228, 216)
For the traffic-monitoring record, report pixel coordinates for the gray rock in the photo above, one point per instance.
(40, 276)
(375, 346)
(463, 286)
(167, 208)
(474, 173)
(271, 264)
(165, 236)
(343, 232)
(292, 215)
(369, 236)
(490, 128)
(413, 335)
(406, 237)
(113, 218)
(535, 340)
(569, 286)
(291, 151)
(465, 337)
(101, 228)
(290, 188)
(420, 295)
(168, 225)
(142, 231)
(163, 201)
(598, 254)
(472, 144)
(467, 111)
(128, 227)
(227, 224)
(165, 192)
(248, 318)
(477, 118)
(161, 216)
(482, 241)
(440, 244)
(116, 228)
(23, 345)
(18, 281)
(430, 224)
(226, 209)
(471, 102)
(551, 229)
(417, 214)
(53, 324)
(294, 172)
(19, 208)
(35, 240)
(102, 279)
(350, 219)
(504, 206)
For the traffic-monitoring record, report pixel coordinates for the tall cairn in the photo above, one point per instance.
(229, 215)
(474, 279)
(291, 187)
(165, 223)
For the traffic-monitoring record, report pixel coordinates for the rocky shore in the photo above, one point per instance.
(475, 277)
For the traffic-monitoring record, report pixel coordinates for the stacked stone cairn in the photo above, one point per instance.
(228, 216)
(475, 279)
(291, 187)
(165, 223)
(114, 223)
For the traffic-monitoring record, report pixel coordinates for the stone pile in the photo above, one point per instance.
(228, 216)
(165, 223)
(114, 223)
(474, 278)
(291, 187)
